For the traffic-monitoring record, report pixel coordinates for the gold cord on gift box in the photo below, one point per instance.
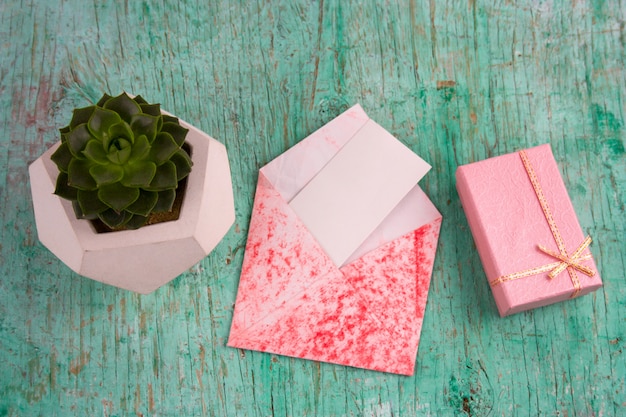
(571, 263)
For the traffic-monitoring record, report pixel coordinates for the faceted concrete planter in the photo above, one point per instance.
(140, 260)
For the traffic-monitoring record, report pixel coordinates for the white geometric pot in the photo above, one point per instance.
(140, 260)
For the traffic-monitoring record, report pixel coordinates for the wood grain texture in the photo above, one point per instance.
(455, 81)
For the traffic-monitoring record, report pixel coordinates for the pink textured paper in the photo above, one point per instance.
(293, 301)
(507, 223)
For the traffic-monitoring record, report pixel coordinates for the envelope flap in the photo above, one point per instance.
(281, 260)
(351, 196)
(291, 171)
(328, 322)
(367, 314)
(414, 211)
(394, 280)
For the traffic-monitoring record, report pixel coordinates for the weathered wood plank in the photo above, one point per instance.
(456, 82)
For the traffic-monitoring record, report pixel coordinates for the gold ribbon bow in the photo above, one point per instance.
(571, 263)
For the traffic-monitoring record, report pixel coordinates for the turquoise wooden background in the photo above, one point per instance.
(457, 81)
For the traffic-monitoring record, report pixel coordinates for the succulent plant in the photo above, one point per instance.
(121, 160)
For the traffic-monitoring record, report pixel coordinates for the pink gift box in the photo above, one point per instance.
(532, 248)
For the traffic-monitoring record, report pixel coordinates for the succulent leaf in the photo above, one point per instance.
(183, 164)
(114, 219)
(163, 148)
(140, 100)
(119, 131)
(81, 116)
(105, 97)
(145, 203)
(165, 177)
(123, 105)
(90, 204)
(135, 222)
(78, 211)
(151, 109)
(121, 160)
(63, 189)
(177, 131)
(62, 157)
(76, 139)
(168, 118)
(139, 174)
(106, 174)
(165, 201)
(145, 124)
(117, 196)
(101, 120)
(95, 152)
(78, 175)
(141, 148)
(119, 151)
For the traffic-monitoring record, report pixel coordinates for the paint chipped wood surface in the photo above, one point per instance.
(455, 81)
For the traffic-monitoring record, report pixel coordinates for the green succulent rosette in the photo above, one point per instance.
(121, 160)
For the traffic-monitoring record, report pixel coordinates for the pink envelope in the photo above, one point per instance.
(314, 291)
